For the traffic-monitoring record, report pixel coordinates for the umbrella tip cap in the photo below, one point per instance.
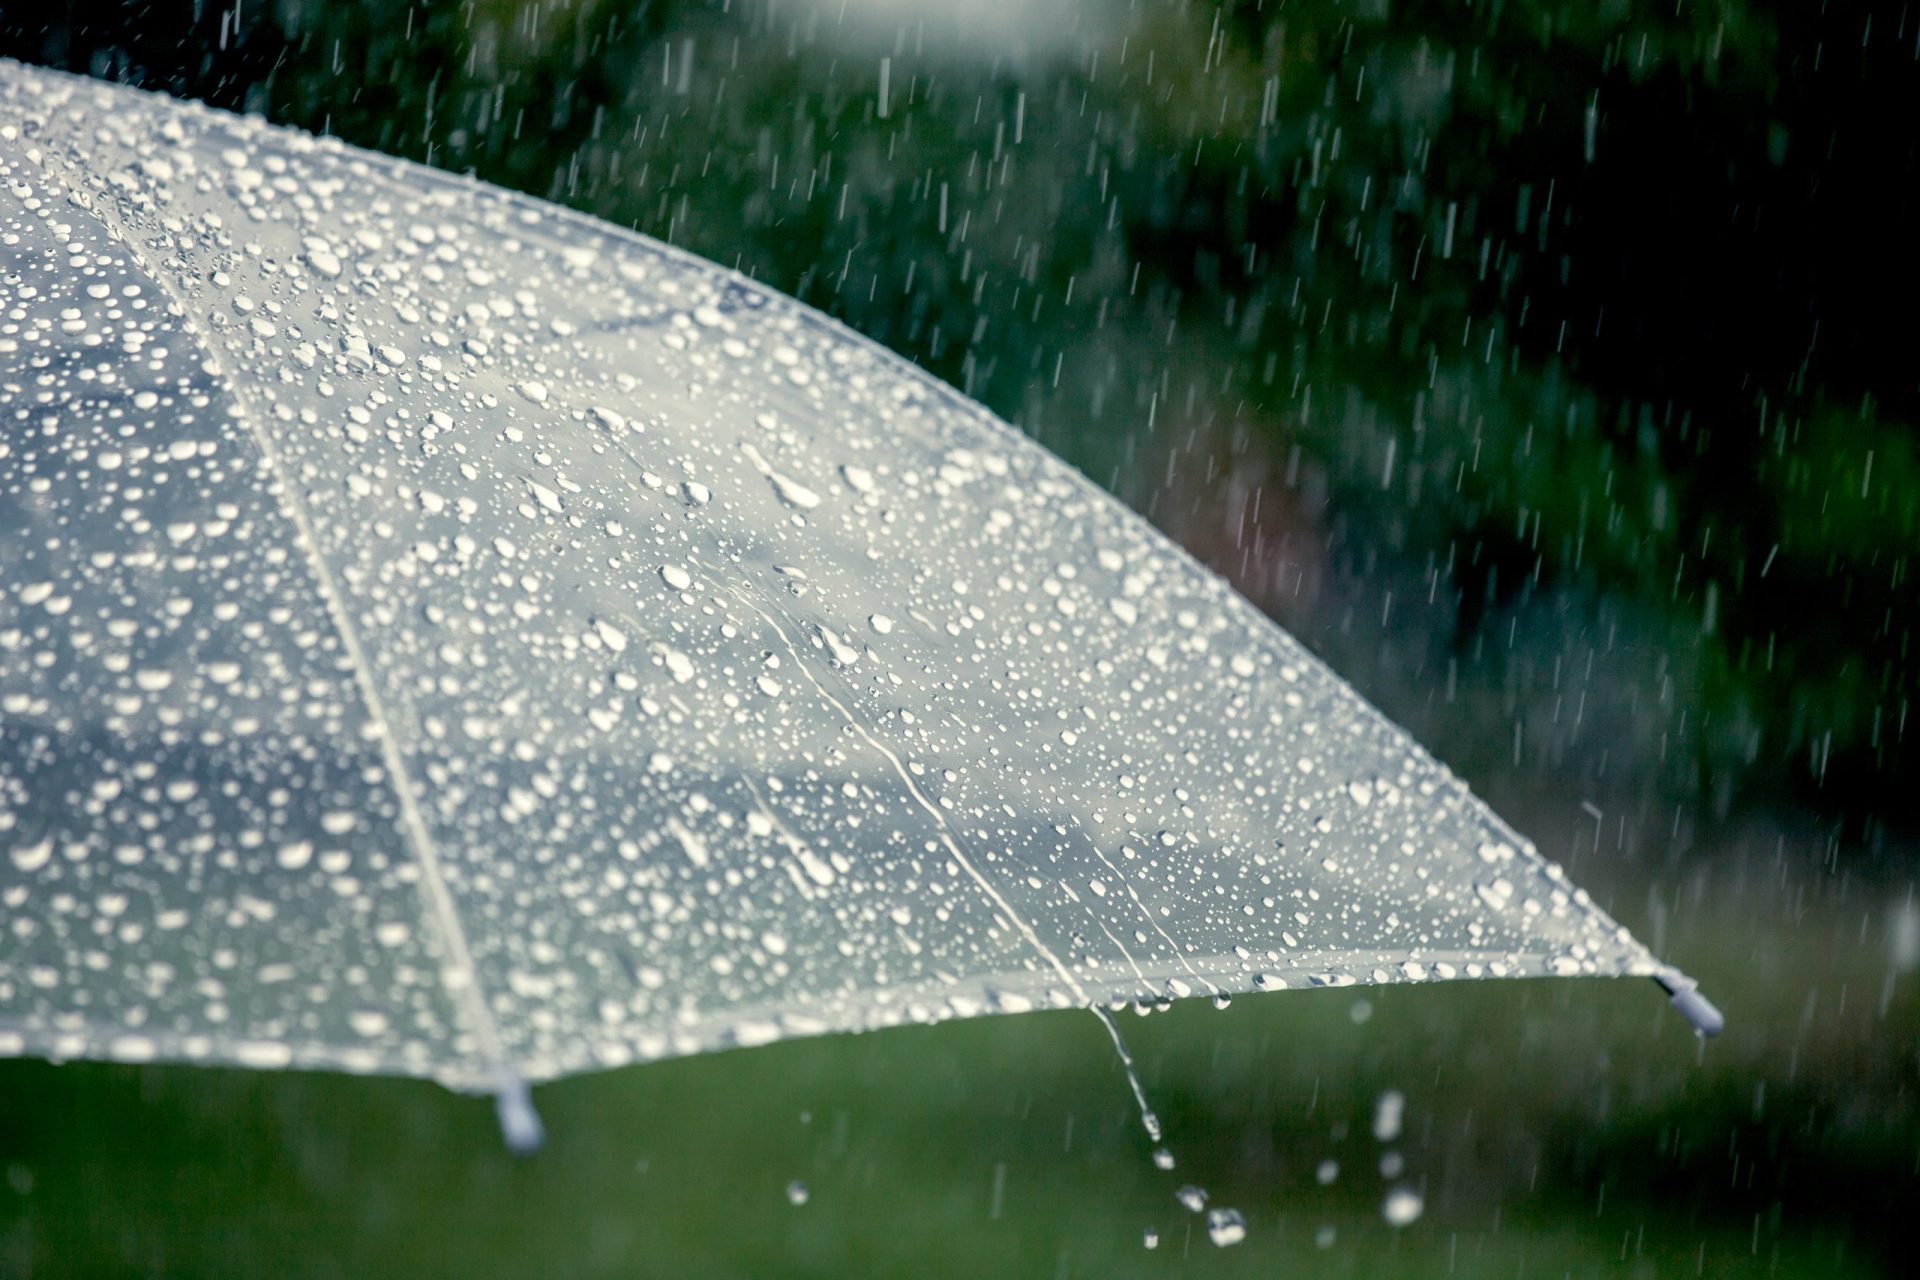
(520, 1125)
(1684, 995)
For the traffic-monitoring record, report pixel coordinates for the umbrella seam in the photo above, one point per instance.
(985, 886)
(439, 901)
(993, 895)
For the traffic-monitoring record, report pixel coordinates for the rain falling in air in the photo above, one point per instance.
(582, 551)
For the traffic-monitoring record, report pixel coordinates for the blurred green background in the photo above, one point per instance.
(1550, 369)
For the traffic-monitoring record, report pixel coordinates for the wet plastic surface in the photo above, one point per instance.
(442, 634)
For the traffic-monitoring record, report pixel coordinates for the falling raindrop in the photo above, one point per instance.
(1226, 1227)
(1388, 1111)
(1403, 1206)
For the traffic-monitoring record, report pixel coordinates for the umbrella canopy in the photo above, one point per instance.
(445, 635)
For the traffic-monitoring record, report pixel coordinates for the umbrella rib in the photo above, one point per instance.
(518, 1120)
(519, 1123)
(933, 811)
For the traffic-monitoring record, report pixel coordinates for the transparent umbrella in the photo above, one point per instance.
(448, 636)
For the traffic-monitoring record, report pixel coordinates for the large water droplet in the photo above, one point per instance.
(1226, 1227)
(1403, 1206)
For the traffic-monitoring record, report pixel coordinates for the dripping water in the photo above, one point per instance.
(1148, 1120)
